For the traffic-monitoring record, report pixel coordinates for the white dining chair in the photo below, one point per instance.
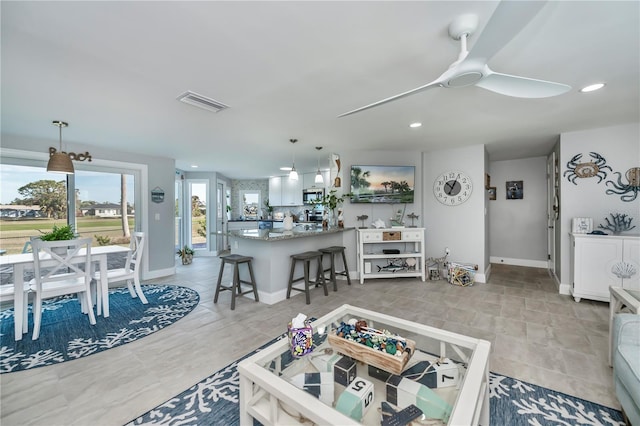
(131, 271)
(59, 269)
(20, 311)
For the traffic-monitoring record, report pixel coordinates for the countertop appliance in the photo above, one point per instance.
(309, 196)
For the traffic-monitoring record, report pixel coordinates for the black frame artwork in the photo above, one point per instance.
(515, 190)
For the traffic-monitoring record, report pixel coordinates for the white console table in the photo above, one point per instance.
(391, 253)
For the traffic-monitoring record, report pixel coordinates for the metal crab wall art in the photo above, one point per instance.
(587, 169)
(628, 191)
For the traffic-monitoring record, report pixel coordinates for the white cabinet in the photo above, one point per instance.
(600, 261)
(291, 192)
(309, 180)
(242, 224)
(284, 191)
(391, 253)
(275, 191)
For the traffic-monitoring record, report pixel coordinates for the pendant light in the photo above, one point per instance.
(293, 174)
(319, 179)
(60, 162)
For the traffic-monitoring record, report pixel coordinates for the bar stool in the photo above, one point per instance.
(236, 288)
(306, 258)
(332, 252)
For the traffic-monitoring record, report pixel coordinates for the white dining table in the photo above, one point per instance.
(24, 261)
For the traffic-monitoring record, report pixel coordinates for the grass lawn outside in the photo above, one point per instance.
(15, 233)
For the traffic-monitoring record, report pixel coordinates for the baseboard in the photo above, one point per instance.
(519, 262)
(564, 289)
(271, 298)
(158, 273)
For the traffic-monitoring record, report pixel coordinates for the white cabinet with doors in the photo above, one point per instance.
(391, 253)
(601, 261)
(291, 192)
(275, 191)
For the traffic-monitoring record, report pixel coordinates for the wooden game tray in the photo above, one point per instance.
(387, 362)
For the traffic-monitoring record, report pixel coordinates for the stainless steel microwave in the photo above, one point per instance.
(311, 195)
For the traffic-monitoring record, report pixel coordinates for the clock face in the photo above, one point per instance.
(452, 188)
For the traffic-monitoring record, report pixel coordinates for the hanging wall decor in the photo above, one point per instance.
(515, 190)
(628, 191)
(588, 169)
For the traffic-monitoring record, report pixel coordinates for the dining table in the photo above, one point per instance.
(24, 261)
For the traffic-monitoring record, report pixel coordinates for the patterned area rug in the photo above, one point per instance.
(214, 401)
(66, 334)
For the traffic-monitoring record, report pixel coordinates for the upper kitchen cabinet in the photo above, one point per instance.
(285, 192)
(275, 191)
(291, 192)
(309, 180)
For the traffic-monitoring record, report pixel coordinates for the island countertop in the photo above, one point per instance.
(277, 234)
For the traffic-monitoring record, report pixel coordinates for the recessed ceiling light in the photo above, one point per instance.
(592, 87)
(194, 166)
(286, 169)
(415, 125)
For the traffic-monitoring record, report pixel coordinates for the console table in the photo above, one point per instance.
(391, 253)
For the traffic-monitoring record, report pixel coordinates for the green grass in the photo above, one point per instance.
(14, 233)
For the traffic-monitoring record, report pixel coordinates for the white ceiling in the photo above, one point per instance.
(113, 70)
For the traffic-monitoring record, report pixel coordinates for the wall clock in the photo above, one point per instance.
(452, 188)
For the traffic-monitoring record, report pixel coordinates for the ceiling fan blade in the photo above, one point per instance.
(434, 83)
(521, 87)
(506, 22)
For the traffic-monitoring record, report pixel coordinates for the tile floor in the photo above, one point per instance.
(537, 335)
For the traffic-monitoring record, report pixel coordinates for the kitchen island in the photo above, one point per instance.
(271, 250)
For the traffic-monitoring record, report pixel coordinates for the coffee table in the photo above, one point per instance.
(621, 299)
(268, 395)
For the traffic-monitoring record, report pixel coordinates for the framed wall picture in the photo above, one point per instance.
(515, 190)
(582, 225)
(487, 181)
(492, 192)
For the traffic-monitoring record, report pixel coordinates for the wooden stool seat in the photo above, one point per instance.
(236, 285)
(306, 259)
(332, 252)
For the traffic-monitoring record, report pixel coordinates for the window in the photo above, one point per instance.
(250, 204)
(33, 200)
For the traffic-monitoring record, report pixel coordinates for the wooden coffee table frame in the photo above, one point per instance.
(263, 394)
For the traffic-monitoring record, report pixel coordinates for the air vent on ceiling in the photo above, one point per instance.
(200, 101)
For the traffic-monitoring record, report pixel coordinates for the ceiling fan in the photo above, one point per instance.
(471, 67)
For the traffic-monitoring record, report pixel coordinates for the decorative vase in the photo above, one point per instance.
(187, 259)
(287, 223)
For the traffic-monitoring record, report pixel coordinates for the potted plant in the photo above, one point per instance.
(58, 233)
(330, 202)
(186, 254)
(269, 208)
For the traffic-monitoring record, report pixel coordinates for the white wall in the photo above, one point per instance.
(376, 211)
(461, 228)
(518, 228)
(620, 146)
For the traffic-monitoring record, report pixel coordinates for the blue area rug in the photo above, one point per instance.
(66, 334)
(214, 401)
